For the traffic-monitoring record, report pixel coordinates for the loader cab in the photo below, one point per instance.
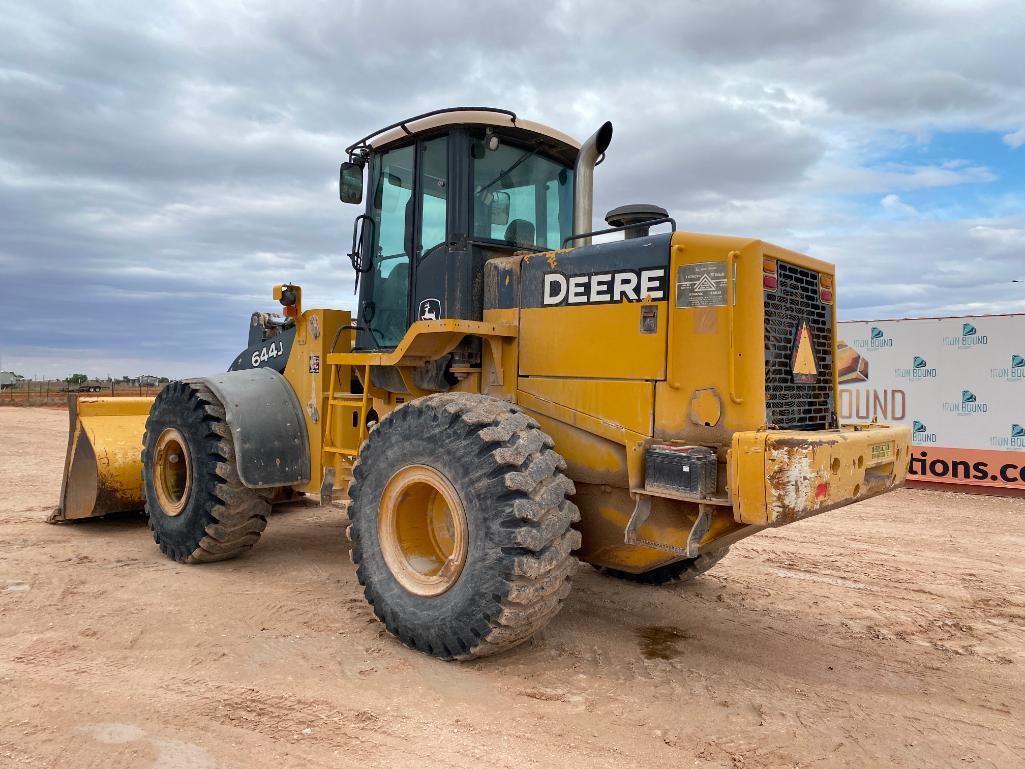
(445, 193)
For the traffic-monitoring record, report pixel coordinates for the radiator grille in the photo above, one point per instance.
(789, 404)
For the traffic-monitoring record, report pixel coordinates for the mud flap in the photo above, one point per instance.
(103, 465)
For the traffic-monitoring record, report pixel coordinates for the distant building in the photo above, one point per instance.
(7, 379)
(148, 380)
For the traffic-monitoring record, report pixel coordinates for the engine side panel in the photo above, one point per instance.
(596, 311)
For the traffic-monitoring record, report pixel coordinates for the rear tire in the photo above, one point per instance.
(679, 571)
(460, 526)
(198, 509)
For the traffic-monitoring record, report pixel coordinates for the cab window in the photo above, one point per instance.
(433, 193)
(393, 213)
(537, 193)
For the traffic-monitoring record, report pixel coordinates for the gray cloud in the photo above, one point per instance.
(882, 93)
(161, 168)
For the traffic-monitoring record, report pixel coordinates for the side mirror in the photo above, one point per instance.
(500, 205)
(350, 183)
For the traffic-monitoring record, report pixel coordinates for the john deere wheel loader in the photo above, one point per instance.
(509, 398)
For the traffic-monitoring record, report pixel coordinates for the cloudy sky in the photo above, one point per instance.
(163, 164)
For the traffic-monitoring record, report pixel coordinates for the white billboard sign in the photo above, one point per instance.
(959, 383)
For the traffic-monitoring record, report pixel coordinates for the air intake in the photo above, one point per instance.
(634, 217)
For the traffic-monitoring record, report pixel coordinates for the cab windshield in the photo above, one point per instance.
(521, 197)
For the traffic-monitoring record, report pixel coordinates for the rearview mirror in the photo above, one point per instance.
(500, 205)
(350, 183)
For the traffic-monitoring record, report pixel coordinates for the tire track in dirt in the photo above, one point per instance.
(887, 634)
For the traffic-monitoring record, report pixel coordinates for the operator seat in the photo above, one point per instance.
(520, 232)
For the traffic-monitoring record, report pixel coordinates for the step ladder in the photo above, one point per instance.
(337, 460)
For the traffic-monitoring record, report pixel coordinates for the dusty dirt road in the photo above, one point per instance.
(890, 634)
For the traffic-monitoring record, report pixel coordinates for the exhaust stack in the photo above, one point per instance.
(583, 189)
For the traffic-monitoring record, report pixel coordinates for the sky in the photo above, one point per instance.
(163, 164)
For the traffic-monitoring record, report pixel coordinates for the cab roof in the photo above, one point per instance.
(487, 116)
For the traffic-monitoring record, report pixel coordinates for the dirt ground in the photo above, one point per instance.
(888, 634)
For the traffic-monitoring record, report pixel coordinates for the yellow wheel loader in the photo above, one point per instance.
(510, 397)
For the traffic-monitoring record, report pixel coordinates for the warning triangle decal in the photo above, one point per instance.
(802, 360)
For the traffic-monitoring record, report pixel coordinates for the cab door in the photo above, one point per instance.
(409, 211)
(431, 248)
(384, 295)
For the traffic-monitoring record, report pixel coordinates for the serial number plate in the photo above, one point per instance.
(881, 451)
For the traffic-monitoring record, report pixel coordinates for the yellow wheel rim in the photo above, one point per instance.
(172, 472)
(422, 530)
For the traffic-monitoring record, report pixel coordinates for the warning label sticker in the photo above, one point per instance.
(701, 285)
(802, 359)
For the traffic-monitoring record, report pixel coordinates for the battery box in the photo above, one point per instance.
(689, 470)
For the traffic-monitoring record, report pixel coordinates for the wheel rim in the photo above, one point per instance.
(172, 472)
(422, 530)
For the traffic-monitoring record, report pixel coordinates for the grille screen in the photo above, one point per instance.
(789, 404)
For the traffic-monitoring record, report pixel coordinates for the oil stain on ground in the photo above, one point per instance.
(660, 642)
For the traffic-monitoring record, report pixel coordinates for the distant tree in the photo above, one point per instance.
(163, 380)
(77, 379)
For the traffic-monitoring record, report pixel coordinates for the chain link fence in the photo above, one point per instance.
(55, 392)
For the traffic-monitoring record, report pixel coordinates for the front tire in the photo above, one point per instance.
(198, 509)
(460, 526)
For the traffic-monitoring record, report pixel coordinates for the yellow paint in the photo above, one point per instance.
(625, 404)
(590, 458)
(700, 352)
(316, 331)
(498, 377)
(705, 407)
(604, 515)
(779, 476)
(425, 340)
(596, 341)
(103, 465)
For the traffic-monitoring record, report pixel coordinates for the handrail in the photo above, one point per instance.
(362, 143)
(731, 298)
(634, 225)
(670, 326)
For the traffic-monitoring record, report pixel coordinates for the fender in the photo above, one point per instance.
(272, 447)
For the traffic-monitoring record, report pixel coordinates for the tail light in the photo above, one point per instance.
(826, 288)
(769, 279)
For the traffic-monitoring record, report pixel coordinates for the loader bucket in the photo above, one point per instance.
(103, 465)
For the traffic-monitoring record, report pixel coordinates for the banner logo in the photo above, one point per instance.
(920, 434)
(919, 370)
(970, 337)
(1014, 440)
(969, 404)
(876, 340)
(1015, 372)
